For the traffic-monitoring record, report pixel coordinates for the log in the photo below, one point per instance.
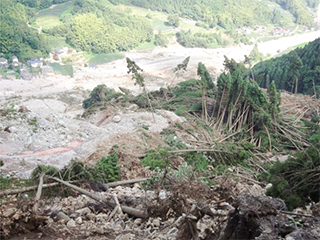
(185, 151)
(39, 192)
(249, 179)
(31, 188)
(124, 182)
(129, 210)
(297, 214)
(26, 189)
(40, 186)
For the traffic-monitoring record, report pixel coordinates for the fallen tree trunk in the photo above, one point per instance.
(39, 192)
(185, 151)
(26, 189)
(131, 211)
(137, 180)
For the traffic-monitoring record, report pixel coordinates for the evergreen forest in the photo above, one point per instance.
(296, 72)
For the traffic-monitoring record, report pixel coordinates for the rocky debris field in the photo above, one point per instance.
(51, 131)
(183, 210)
(42, 122)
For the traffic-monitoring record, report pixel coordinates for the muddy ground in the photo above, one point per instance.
(42, 123)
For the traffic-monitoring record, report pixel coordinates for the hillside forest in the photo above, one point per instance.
(296, 72)
(230, 14)
(109, 26)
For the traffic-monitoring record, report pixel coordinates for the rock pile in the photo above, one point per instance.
(221, 213)
(52, 131)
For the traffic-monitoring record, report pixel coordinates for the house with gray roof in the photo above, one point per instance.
(61, 51)
(26, 75)
(4, 63)
(35, 62)
(47, 71)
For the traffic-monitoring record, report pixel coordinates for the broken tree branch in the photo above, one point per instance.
(249, 179)
(131, 211)
(184, 151)
(48, 185)
(124, 182)
(297, 214)
(26, 189)
(39, 191)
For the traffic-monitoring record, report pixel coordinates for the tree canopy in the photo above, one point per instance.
(16, 38)
(298, 71)
(100, 29)
(232, 13)
(299, 10)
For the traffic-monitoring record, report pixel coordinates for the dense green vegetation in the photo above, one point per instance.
(87, 25)
(161, 40)
(230, 14)
(98, 28)
(40, 4)
(16, 38)
(297, 72)
(299, 10)
(202, 40)
(106, 27)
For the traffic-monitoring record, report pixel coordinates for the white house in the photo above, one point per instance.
(15, 61)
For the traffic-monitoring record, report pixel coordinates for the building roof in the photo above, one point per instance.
(3, 60)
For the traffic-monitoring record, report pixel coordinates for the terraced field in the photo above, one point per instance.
(57, 10)
(50, 17)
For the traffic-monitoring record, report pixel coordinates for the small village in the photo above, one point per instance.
(36, 66)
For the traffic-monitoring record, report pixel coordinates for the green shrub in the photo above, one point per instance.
(13, 182)
(155, 159)
(174, 142)
(197, 160)
(76, 171)
(181, 110)
(47, 170)
(106, 169)
(100, 94)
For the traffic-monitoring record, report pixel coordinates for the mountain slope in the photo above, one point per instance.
(298, 71)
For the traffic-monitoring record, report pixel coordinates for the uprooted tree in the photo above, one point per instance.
(249, 116)
(139, 79)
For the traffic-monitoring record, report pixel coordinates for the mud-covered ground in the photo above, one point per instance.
(41, 123)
